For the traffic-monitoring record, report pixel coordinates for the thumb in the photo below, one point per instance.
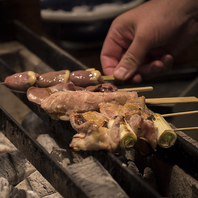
(132, 59)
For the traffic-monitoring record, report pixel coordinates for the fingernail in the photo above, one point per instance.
(120, 73)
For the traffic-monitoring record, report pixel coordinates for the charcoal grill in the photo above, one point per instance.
(184, 154)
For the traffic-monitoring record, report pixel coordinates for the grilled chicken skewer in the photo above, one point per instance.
(22, 81)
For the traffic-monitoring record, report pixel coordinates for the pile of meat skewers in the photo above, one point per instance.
(102, 117)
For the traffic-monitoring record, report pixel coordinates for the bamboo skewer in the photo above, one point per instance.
(185, 128)
(171, 100)
(108, 78)
(180, 113)
(137, 89)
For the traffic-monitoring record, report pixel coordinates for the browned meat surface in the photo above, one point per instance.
(53, 78)
(105, 87)
(21, 81)
(96, 138)
(132, 106)
(79, 120)
(61, 104)
(85, 78)
(92, 133)
(110, 110)
(143, 128)
(37, 94)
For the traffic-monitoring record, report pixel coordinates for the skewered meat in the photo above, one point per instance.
(125, 123)
(93, 135)
(133, 105)
(22, 81)
(37, 94)
(105, 87)
(95, 131)
(79, 120)
(53, 78)
(60, 105)
(86, 78)
(95, 139)
(143, 128)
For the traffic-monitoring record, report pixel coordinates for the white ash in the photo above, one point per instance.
(149, 177)
(182, 185)
(55, 195)
(37, 183)
(47, 142)
(62, 156)
(14, 167)
(8, 191)
(5, 144)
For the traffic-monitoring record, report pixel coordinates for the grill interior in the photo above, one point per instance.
(167, 172)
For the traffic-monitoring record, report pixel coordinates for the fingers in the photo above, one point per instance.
(132, 59)
(116, 43)
(155, 68)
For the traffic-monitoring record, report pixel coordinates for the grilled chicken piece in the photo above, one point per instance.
(96, 138)
(79, 120)
(60, 105)
(143, 128)
(138, 106)
(105, 87)
(93, 133)
(133, 105)
(37, 94)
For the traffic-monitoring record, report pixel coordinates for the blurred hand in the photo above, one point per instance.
(142, 42)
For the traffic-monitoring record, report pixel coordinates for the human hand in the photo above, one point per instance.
(142, 42)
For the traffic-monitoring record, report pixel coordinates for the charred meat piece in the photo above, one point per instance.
(60, 105)
(105, 87)
(78, 120)
(91, 135)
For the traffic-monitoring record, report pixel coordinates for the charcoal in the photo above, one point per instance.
(62, 156)
(5, 144)
(182, 185)
(14, 167)
(8, 191)
(37, 183)
(92, 177)
(47, 142)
